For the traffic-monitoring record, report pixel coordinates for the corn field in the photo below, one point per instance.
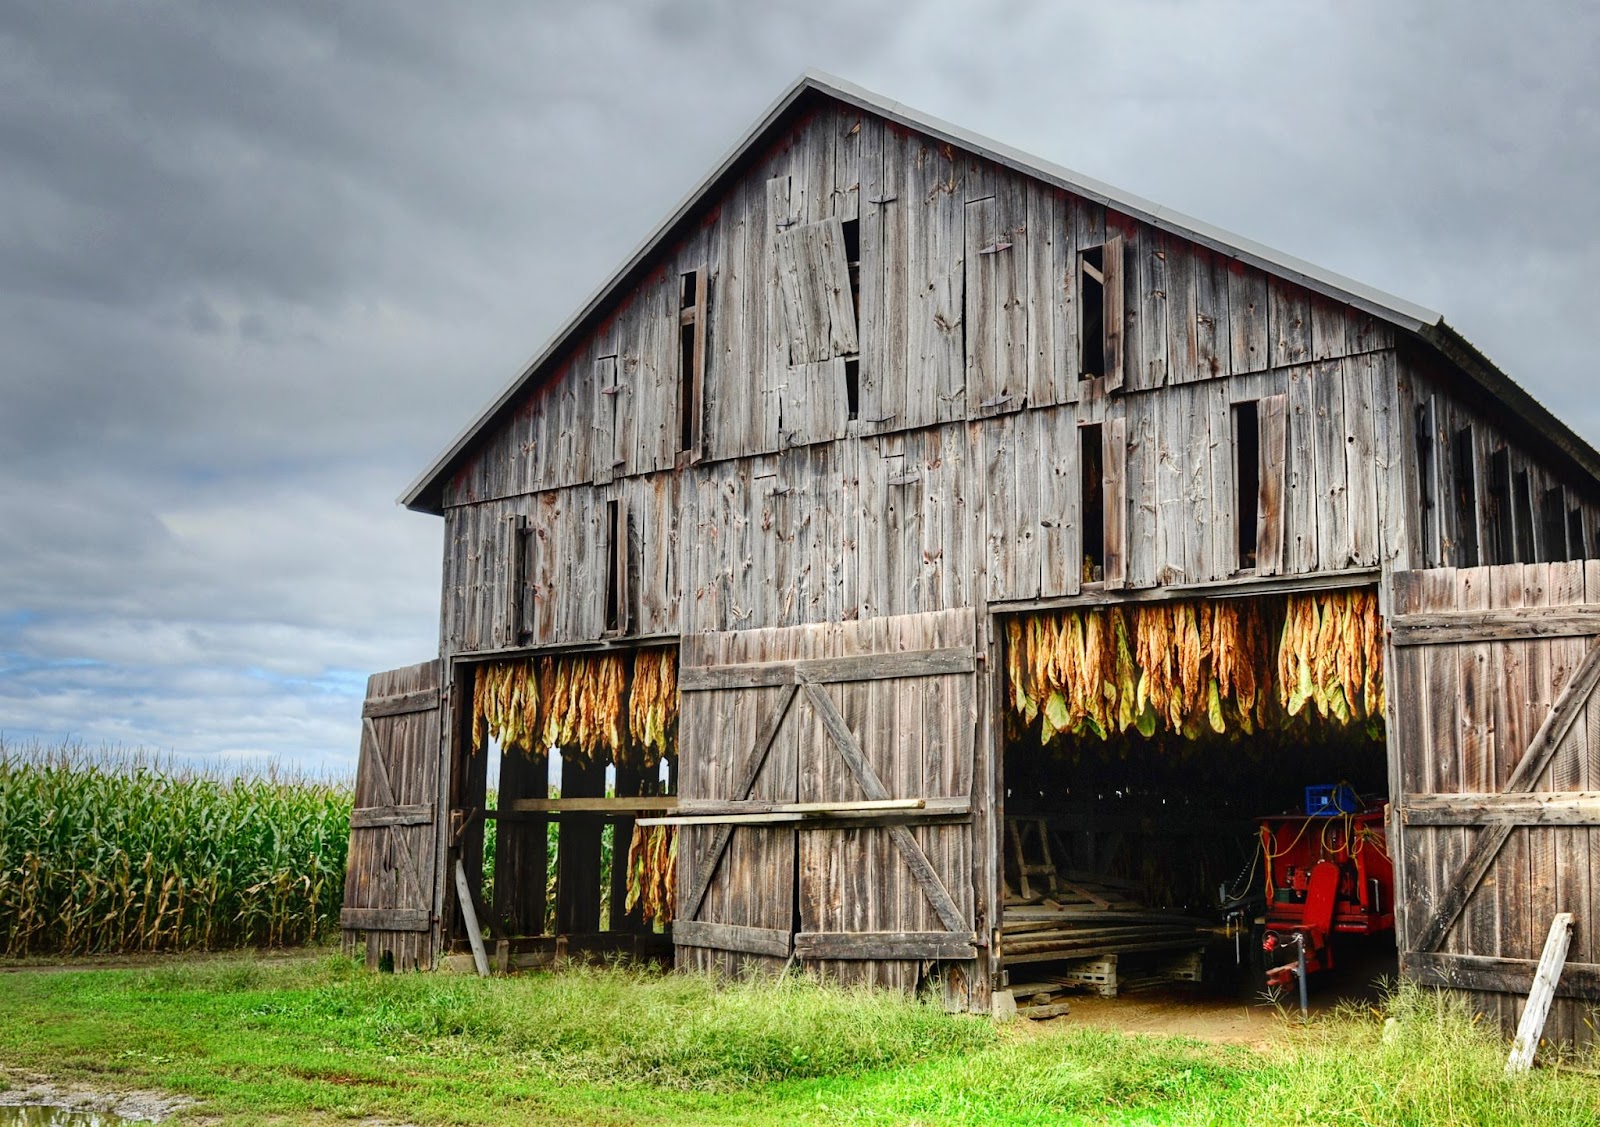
(114, 853)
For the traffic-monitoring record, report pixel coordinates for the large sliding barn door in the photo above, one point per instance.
(855, 742)
(1495, 743)
(389, 875)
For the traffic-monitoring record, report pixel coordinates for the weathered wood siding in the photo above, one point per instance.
(391, 883)
(826, 714)
(561, 559)
(1499, 816)
(958, 481)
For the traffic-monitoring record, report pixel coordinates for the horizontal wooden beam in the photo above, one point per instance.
(385, 919)
(423, 700)
(597, 645)
(714, 806)
(648, 804)
(1503, 976)
(371, 817)
(1536, 808)
(829, 670)
(1237, 587)
(886, 945)
(733, 937)
(1437, 628)
(828, 816)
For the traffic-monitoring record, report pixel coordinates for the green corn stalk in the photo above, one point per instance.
(117, 852)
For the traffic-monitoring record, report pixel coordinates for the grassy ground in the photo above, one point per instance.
(282, 1040)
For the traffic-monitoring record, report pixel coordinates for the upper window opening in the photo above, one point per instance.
(691, 360)
(1502, 537)
(1522, 501)
(1427, 486)
(1092, 313)
(1466, 483)
(1553, 516)
(852, 257)
(1247, 481)
(1092, 503)
(616, 611)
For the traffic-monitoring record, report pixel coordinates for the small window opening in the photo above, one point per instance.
(685, 385)
(1092, 504)
(1575, 534)
(1247, 480)
(1553, 515)
(1091, 313)
(852, 385)
(1522, 499)
(1427, 486)
(616, 561)
(1499, 521)
(852, 256)
(691, 358)
(1466, 482)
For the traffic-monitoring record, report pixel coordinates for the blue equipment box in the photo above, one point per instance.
(1329, 800)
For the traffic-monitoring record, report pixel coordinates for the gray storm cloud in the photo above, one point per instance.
(259, 262)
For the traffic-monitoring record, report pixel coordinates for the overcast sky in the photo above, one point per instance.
(260, 262)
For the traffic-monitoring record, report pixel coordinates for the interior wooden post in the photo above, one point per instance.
(578, 852)
(521, 862)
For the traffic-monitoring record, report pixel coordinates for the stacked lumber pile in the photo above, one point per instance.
(1090, 933)
(1043, 933)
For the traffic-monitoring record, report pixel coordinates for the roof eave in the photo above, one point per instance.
(1477, 367)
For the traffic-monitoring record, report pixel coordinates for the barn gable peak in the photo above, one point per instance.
(426, 493)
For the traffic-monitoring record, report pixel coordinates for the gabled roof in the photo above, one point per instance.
(426, 493)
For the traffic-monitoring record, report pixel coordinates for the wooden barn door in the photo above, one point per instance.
(390, 877)
(855, 743)
(1495, 745)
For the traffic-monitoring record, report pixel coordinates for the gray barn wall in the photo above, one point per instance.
(958, 485)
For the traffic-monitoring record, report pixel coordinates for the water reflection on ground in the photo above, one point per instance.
(46, 1116)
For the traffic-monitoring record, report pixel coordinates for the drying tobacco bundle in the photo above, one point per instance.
(1331, 656)
(1185, 667)
(652, 873)
(581, 704)
(653, 704)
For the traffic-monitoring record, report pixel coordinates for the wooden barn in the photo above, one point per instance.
(927, 565)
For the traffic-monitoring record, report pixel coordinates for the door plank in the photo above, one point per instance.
(843, 739)
(1487, 845)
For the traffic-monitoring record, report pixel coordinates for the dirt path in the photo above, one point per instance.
(1239, 1016)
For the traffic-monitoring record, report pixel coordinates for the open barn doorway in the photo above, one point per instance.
(1195, 793)
(556, 760)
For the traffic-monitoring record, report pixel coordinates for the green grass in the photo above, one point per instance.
(116, 851)
(323, 1040)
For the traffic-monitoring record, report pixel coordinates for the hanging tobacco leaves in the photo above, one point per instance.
(1187, 667)
(592, 706)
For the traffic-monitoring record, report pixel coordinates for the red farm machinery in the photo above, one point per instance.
(1327, 873)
